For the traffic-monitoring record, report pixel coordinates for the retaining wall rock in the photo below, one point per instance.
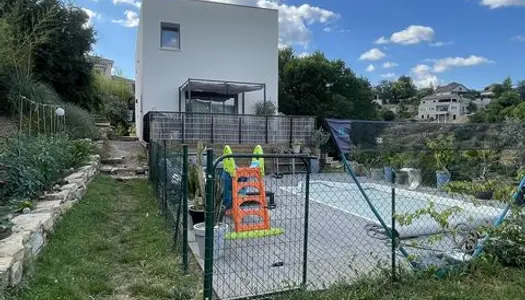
(30, 231)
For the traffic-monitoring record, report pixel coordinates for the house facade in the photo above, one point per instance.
(102, 66)
(485, 97)
(205, 57)
(447, 104)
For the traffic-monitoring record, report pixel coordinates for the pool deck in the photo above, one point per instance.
(339, 249)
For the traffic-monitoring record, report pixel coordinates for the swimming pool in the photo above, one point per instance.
(347, 197)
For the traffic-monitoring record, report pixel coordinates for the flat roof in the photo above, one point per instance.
(233, 4)
(220, 86)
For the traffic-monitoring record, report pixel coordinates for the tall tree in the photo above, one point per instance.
(404, 87)
(501, 88)
(314, 85)
(423, 92)
(506, 104)
(385, 90)
(61, 60)
(521, 89)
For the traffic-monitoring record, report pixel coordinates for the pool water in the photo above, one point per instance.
(347, 197)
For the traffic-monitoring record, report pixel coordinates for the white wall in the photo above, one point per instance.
(138, 78)
(218, 41)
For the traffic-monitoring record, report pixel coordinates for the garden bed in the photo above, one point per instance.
(31, 230)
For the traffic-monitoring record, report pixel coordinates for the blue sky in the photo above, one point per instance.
(475, 42)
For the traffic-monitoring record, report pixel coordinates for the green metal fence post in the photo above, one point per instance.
(165, 196)
(209, 232)
(306, 216)
(185, 263)
(150, 162)
(157, 172)
(394, 236)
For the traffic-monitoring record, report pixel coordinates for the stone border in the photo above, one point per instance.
(31, 231)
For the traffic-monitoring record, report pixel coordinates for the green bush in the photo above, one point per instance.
(80, 151)
(116, 111)
(79, 122)
(507, 242)
(33, 163)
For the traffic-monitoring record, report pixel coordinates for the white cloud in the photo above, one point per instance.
(388, 75)
(131, 19)
(381, 41)
(444, 64)
(421, 69)
(440, 44)
(413, 34)
(502, 3)
(389, 64)
(423, 76)
(135, 3)
(372, 54)
(370, 68)
(294, 21)
(335, 29)
(519, 38)
(92, 16)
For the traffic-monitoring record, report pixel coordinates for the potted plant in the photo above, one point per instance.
(220, 228)
(375, 163)
(319, 138)
(399, 161)
(479, 164)
(296, 147)
(443, 156)
(389, 158)
(196, 187)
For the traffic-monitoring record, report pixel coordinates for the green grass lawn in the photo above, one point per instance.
(482, 281)
(111, 245)
(115, 245)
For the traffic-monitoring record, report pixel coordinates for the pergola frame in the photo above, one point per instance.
(219, 87)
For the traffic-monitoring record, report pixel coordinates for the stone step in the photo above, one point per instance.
(112, 161)
(123, 138)
(128, 178)
(112, 170)
(103, 124)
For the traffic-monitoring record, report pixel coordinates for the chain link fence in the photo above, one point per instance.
(169, 176)
(408, 196)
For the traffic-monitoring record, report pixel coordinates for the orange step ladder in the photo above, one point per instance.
(238, 214)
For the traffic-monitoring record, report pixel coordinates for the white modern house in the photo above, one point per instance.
(447, 104)
(197, 56)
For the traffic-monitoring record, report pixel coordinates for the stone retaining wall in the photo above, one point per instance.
(31, 231)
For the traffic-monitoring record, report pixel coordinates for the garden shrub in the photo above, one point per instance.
(79, 122)
(80, 151)
(33, 163)
(507, 242)
(116, 111)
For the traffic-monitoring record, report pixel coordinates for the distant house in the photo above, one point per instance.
(102, 66)
(485, 97)
(403, 106)
(447, 104)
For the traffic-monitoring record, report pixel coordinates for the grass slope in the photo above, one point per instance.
(111, 245)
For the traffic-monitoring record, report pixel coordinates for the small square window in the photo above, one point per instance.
(170, 36)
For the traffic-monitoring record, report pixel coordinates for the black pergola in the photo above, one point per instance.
(220, 90)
